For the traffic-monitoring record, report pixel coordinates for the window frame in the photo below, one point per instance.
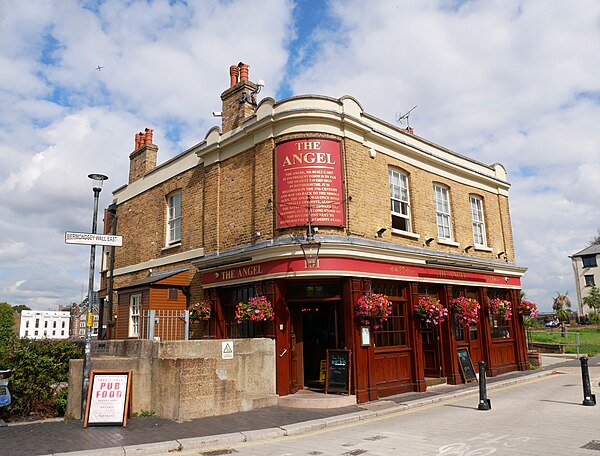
(478, 223)
(404, 202)
(135, 308)
(590, 260)
(590, 281)
(174, 205)
(443, 212)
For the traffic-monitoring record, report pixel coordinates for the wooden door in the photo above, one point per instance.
(296, 359)
(431, 350)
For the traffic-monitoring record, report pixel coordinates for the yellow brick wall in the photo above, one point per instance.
(225, 204)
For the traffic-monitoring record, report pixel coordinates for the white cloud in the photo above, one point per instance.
(501, 81)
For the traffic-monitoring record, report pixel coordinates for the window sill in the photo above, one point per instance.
(483, 248)
(403, 233)
(171, 246)
(448, 242)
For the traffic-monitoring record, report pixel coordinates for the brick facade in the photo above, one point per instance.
(229, 211)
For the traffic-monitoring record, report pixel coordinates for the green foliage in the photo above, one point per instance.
(529, 322)
(6, 324)
(596, 239)
(20, 307)
(595, 318)
(144, 414)
(589, 339)
(593, 298)
(562, 306)
(38, 368)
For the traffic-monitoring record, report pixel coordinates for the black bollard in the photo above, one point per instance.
(588, 397)
(484, 402)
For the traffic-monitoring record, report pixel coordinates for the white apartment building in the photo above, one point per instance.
(587, 274)
(44, 324)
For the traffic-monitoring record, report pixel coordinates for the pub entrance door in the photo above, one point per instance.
(432, 361)
(314, 330)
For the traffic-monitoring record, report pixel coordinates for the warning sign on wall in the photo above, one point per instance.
(227, 349)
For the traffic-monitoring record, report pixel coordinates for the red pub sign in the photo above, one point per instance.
(309, 167)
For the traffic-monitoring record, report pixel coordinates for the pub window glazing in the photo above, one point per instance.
(230, 297)
(392, 332)
(500, 326)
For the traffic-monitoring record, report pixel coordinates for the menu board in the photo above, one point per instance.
(466, 365)
(108, 398)
(338, 372)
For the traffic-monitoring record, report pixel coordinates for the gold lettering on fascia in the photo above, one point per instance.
(450, 275)
(239, 273)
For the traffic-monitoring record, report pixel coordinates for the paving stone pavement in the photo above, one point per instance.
(158, 436)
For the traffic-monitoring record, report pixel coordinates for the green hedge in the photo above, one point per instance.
(38, 369)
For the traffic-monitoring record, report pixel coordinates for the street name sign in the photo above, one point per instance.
(93, 239)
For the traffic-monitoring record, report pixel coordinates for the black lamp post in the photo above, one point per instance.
(98, 180)
(310, 248)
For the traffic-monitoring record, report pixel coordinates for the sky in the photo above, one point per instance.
(509, 81)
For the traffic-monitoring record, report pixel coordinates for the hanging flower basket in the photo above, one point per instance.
(258, 308)
(430, 310)
(501, 308)
(372, 307)
(466, 310)
(200, 311)
(528, 309)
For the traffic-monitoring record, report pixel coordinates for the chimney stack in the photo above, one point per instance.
(239, 99)
(143, 157)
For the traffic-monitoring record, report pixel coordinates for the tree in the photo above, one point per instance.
(562, 309)
(6, 323)
(592, 300)
(596, 239)
(20, 308)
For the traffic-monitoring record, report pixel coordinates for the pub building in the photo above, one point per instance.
(316, 205)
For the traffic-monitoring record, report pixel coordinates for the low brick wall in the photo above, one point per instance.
(182, 380)
(544, 347)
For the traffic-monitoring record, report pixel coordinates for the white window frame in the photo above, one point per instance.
(443, 216)
(135, 305)
(174, 218)
(478, 219)
(399, 198)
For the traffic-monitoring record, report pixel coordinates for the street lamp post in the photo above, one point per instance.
(98, 180)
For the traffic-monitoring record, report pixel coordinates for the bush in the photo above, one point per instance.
(38, 369)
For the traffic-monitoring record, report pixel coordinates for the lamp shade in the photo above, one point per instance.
(310, 249)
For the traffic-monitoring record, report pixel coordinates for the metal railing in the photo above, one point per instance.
(557, 344)
(165, 325)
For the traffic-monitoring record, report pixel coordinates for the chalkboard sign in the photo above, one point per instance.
(466, 365)
(338, 372)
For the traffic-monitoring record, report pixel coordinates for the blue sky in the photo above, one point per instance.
(509, 81)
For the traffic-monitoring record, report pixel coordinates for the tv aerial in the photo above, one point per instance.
(404, 118)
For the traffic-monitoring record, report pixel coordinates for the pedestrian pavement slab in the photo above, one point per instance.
(143, 435)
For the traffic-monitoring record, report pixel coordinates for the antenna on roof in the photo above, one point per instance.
(404, 117)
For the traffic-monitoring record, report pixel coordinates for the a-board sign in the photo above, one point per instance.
(466, 365)
(108, 398)
(337, 378)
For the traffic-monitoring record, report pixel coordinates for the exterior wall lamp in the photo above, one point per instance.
(310, 247)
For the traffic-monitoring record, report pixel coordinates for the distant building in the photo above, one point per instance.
(44, 324)
(587, 274)
(78, 314)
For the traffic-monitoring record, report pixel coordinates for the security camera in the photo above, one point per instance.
(260, 83)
